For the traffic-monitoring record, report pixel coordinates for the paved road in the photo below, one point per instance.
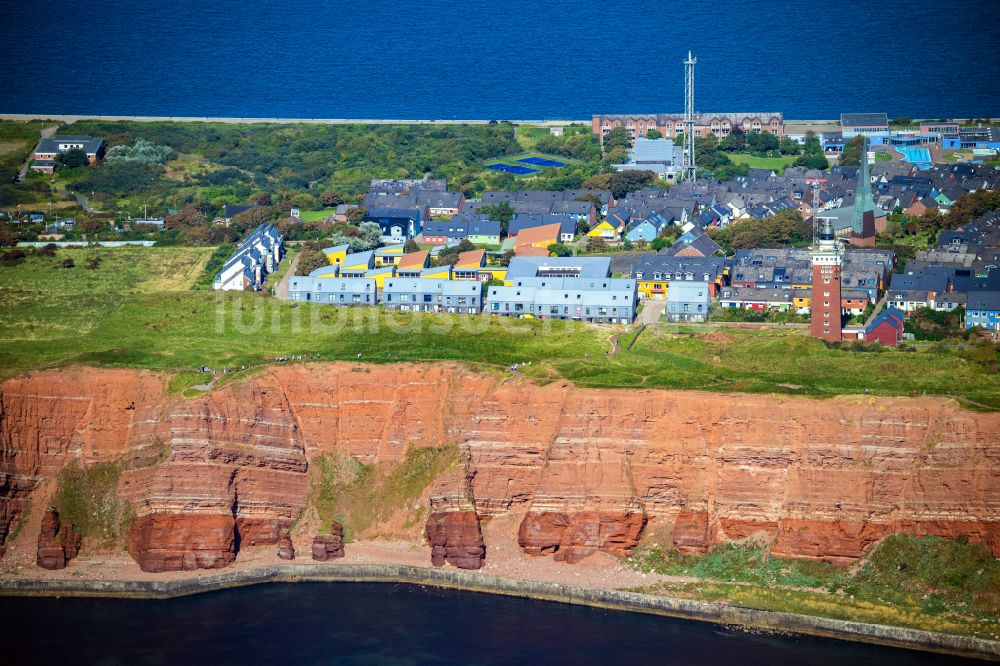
(282, 290)
(651, 311)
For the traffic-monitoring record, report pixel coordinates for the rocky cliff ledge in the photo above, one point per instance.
(589, 469)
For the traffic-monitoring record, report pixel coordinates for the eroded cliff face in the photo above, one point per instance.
(589, 469)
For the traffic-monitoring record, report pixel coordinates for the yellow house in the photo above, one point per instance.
(412, 264)
(333, 270)
(388, 255)
(437, 272)
(380, 275)
(356, 265)
(535, 241)
(468, 264)
(336, 254)
(801, 299)
(650, 288)
(604, 230)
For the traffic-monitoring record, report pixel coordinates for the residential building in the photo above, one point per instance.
(229, 212)
(886, 328)
(337, 253)
(601, 300)
(472, 265)
(398, 224)
(566, 221)
(258, 254)
(694, 243)
(532, 267)
(660, 156)
(669, 125)
(413, 264)
(655, 273)
(983, 310)
(48, 149)
(423, 295)
(333, 290)
(573, 202)
(404, 185)
(477, 229)
(535, 241)
(388, 255)
(688, 302)
(748, 298)
(607, 229)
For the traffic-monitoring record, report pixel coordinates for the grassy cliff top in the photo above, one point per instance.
(133, 308)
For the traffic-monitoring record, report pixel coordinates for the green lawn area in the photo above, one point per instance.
(315, 215)
(926, 583)
(777, 164)
(883, 157)
(528, 135)
(133, 311)
(272, 280)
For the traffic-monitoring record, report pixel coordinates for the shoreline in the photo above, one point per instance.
(685, 609)
(795, 123)
(544, 122)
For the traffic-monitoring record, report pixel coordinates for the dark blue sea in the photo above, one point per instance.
(349, 623)
(497, 59)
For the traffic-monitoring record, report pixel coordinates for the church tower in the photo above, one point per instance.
(863, 229)
(825, 305)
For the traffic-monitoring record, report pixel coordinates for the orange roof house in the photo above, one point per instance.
(535, 241)
(414, 260)
(471, 259)
(413, 264)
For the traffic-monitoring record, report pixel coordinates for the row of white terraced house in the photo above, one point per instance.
(257, 255)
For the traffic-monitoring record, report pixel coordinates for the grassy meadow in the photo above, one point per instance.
(777, 164)
(135, 308)
(926, 583)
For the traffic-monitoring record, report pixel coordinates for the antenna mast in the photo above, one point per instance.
(690, 171)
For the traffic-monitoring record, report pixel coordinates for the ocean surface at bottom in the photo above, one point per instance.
(358, 623)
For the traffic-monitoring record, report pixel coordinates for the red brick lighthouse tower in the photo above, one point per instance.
(825, 318)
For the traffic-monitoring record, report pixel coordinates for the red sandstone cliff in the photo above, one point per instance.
(589, 468)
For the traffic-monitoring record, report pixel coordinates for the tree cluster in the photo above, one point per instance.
(620, 182)
(142, 152)
(812, 156)
(72, 158)
(786, 228)
(852, 152)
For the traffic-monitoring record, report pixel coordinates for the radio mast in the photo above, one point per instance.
(690, 170)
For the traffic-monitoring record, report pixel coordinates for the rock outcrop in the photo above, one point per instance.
(329, 546)
(571, 537)
(58, 543)
(286, 549)
(456, 538)
(177, 542)
(587, 468)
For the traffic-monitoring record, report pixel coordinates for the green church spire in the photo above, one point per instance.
(863, 200)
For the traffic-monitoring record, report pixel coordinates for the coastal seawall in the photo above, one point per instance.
(723, 614)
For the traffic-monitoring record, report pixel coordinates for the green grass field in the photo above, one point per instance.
(926, 583)
(133, 310)
(777, 164)
(315, 215)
